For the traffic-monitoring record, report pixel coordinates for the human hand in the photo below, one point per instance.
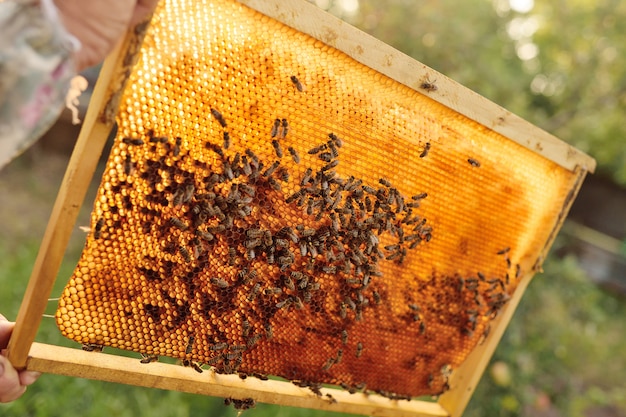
(12, 383)
(99, 24)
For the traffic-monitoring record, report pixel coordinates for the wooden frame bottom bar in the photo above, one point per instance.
(105, 367)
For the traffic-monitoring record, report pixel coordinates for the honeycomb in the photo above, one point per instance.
(272, 207)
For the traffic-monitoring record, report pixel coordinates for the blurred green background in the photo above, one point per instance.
(559, 64)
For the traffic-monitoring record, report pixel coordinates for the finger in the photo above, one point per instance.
(10, 387)
(28, 377)
(6, 327)
(143, 9)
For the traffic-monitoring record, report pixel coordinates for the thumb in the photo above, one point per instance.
(10, 387)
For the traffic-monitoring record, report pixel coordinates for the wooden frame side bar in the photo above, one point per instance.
(82, 165)
(308, 18)
(100, 366)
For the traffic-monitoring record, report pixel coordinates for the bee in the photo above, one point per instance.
(339, 356)
(283, 174)
(288, 282)
(245, 327)
(288, 231)
(184, 253)
(330, 362)
(420, 196)
(274, 184)
(269, 332)
(425, 151)
(215, 148)
(269, 171)
(128, 165)
(307, 177)
(226, 140)
(377, 298)
(422, 327)
(219, 282)
(298, 302)
(429, 85)
(132, 141)
(218, 346)
(277, 148)
(285, 130)
(518, 271)
(503, 251)
(218, 116)
(92, 347)
(253, 340)
(196, 366)
(228, 169)
(188, 193)
(329, 269)
(178, 223)
(254, 233)
(204, 235)
(273, 291)
(176, 151)
(294, 154)
(384, 182)
(213, 361)
(325, 156)
(485, 334)
(190, 343)
(343, 312)
(329, 166)
(218, 229)
(253, 157)
(297, 83)
(284, 262)
(344, 337)
(177, 198)
(275, 128)
(284, 303)
(359, 349)
(98, 229)
(317, 149)
(147, 358)
(333, 148)
(350, 303)
(473, 162)
(254, 292)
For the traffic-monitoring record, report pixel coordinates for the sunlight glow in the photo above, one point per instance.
(522, 6)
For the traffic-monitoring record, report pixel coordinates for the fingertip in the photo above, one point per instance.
(29, 377)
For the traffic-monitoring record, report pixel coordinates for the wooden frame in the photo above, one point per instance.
(23, 353)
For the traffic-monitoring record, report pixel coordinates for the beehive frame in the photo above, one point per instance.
(307, 19)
